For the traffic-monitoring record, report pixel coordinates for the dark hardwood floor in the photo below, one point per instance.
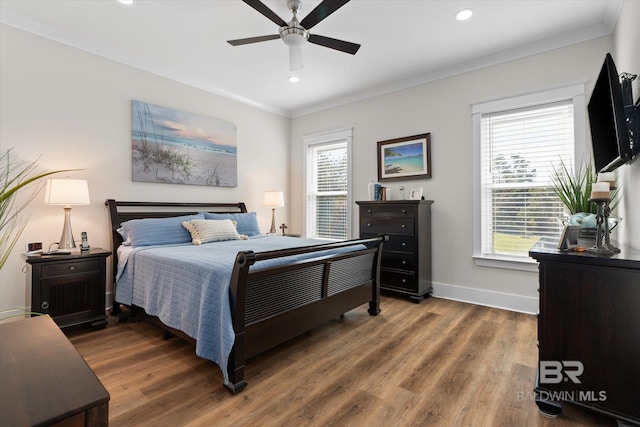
(440, 363)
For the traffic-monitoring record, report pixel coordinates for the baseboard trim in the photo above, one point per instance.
(519, 303)
(15, 313)
(109, 300)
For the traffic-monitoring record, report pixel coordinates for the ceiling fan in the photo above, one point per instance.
(296, 33)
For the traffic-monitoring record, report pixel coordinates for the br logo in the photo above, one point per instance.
(555, 371)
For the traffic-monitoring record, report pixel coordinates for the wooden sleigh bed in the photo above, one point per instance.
(298, 289)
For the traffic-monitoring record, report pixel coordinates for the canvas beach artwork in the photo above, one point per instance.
(405, 158)
(177, 147)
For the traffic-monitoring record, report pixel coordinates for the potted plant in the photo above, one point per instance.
(15, 175)
(573, 188)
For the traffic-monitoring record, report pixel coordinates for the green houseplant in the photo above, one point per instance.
(15, 175)
(573, 188)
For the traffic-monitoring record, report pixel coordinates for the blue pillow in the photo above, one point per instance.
(158, 231)
(247, 223)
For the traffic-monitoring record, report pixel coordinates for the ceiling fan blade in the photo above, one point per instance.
(295, 58)
(336, 44)
(324, 9)
(264, 10)
(248, 40)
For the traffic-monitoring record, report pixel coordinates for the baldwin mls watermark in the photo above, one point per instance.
(556, 372)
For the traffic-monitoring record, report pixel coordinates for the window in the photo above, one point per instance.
(327, 204)
(518, 142)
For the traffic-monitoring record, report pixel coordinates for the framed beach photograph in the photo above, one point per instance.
(405, 158)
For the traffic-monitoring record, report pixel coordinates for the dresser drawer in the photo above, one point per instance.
(71, 267)
(396, 279)
(396, 211)
(401, 243)
(398, 243)
(387, 225)
(399, 260)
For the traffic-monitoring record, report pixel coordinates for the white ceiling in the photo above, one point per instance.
(404, 42)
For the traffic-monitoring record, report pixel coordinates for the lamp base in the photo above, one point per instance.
(273, 221)
(66, 240)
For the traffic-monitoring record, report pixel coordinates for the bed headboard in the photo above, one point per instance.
(120, 212)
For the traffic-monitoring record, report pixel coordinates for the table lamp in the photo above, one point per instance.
(275, 199)
(66, 192)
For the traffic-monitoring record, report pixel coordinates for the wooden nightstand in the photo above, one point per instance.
(70, 288)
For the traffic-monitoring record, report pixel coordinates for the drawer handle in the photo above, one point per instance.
(404, 262)
(404, 211)
(44, 305)
(369, 210)
(404, 243)
(368, 225)
(404, 226)
(404, 280)
(71, 268)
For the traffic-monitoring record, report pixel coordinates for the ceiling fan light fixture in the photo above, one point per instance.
(464, 14)
(294, 79)
(127, 2)
(294, 37)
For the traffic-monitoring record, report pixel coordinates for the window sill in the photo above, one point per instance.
(506, 262)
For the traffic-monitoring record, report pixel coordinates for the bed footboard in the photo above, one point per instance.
(273, 305)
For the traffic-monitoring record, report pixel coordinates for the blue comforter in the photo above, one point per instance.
(187, 286)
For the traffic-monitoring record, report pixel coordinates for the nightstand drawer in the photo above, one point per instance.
(71, 267)
(387, 225)
(397, 211)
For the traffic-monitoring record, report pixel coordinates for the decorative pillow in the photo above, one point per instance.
(157, 231)
(125, 237)
(211, 230)
(247, 222)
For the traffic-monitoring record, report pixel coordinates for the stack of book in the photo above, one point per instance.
(379, 192)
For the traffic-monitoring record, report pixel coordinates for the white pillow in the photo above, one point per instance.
(211, 230)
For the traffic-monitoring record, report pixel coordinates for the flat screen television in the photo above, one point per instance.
(610, 136)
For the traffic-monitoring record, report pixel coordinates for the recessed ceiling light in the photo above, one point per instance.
(127, 2)
(294, 79)
(464, 14)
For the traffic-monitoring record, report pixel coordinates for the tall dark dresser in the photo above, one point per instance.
(406, 257)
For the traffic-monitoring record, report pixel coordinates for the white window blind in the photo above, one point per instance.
(327, 186)
(519, 149)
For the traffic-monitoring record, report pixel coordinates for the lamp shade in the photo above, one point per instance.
(67, 192)
(273, 198)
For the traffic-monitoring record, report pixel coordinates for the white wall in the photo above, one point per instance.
(443, 109)
(626, 54)
(73, 109)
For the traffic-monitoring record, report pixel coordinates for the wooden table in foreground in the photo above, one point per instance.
(44, 380)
